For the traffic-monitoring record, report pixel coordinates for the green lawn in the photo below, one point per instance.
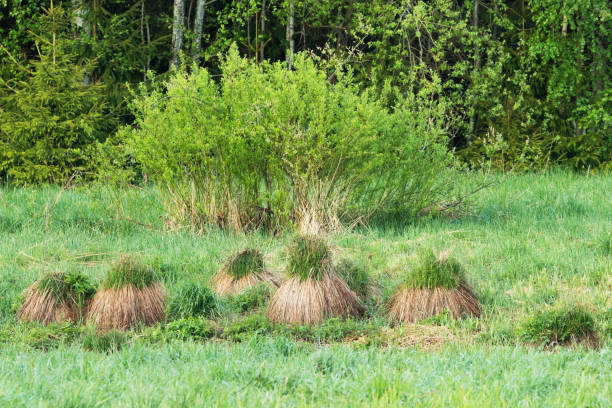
(531, 242)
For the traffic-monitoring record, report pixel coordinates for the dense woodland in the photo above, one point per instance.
(520, 84)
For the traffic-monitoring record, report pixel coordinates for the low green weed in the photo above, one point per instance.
(330, 330)
(43, 337)
(190, 328)
(558, 326)
(241, 329)
(106, 342)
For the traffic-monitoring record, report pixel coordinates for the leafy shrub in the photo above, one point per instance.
(192, 300)
(559, 326)
(252, 298)
(71, 287)
(271, 146)
(355, 275)
(107, 342)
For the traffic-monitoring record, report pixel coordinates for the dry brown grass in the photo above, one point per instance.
(589, 340)
(413, 305)
(126, 307)
(226, 284)
(423, 337)
(309, 301)
(43, 307)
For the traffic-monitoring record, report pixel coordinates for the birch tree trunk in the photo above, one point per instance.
(177, 31)
(198, 28)
(476, 64)
(84, 26)
(263, 29)
(290, 36)
(80, 11)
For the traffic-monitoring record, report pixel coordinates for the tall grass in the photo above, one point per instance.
(128, 270)
(308, 257)
(434, 271)
(264, 372)
(535, 241)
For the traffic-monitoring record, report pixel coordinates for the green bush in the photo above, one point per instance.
(192, 300)
(72, 287)
(559, 326)
(268, 146)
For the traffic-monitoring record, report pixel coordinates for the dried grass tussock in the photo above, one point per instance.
(125, 307)
(413, 305)
(589, 340)
(243, 271)
(309, 301)
(226, 284)
(41, 306)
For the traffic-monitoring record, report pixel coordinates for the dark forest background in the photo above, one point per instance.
(523, 84)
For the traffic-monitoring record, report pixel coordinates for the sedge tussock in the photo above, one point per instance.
(225, 284)
(309, 301)
(126, 307)
(56, 297)
(413, 305)
(244, 271)
(41, 306)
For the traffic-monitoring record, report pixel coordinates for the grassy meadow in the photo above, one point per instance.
(532, 242)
